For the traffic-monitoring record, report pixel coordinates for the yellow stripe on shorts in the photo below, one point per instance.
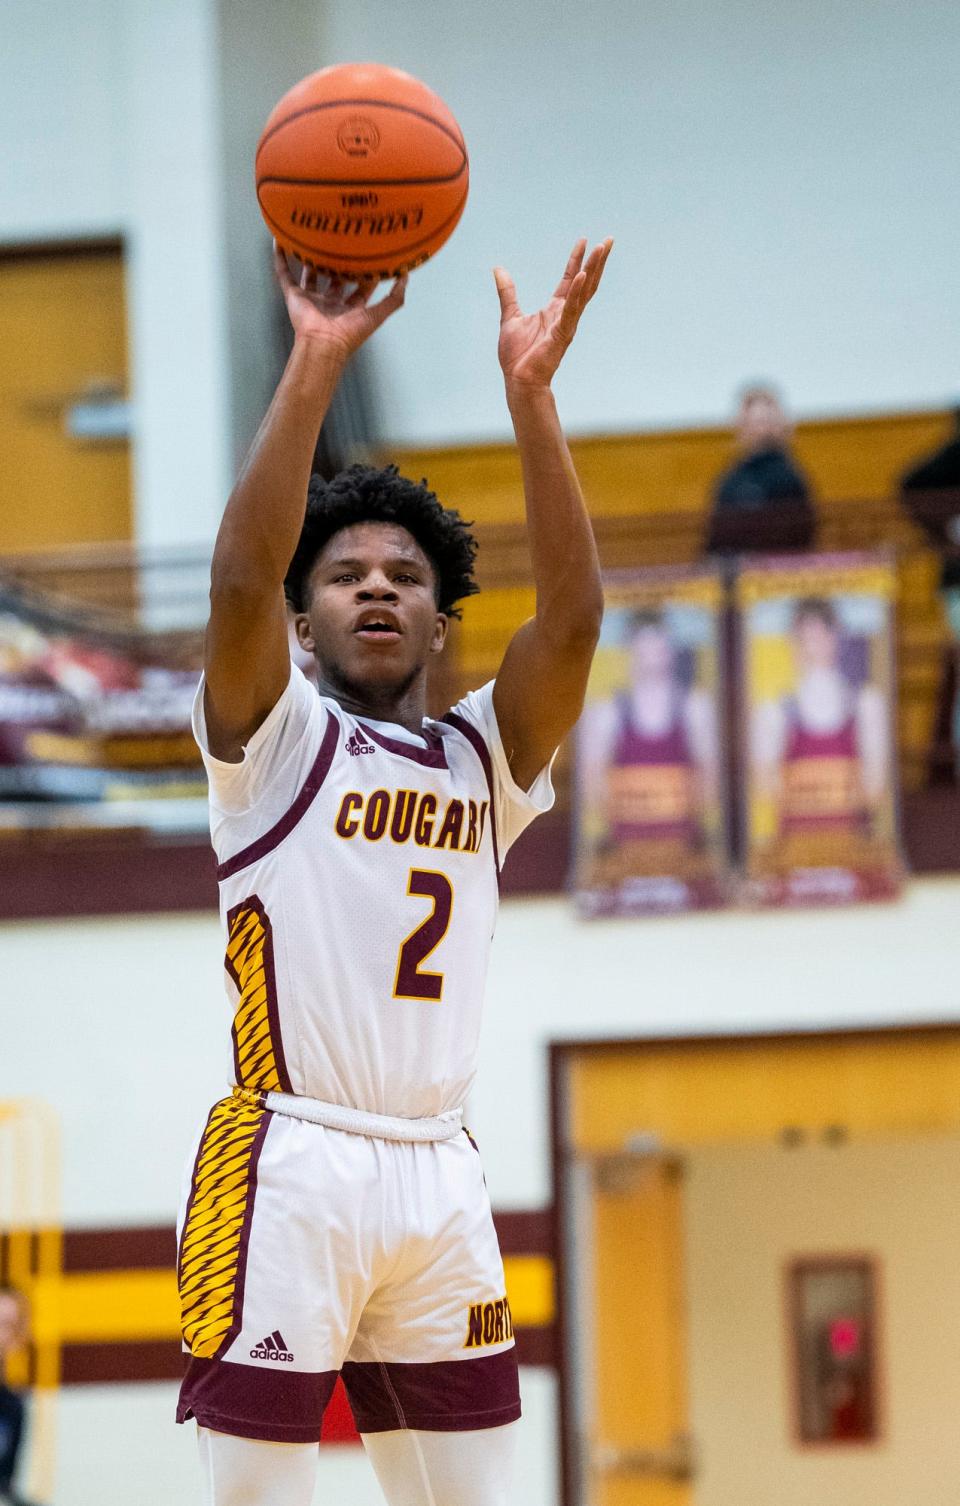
(219, 1209)
(250, 962)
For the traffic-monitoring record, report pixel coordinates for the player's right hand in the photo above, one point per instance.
(324, 309)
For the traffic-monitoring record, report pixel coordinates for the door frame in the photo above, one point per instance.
(94, 245)
(561, 1053)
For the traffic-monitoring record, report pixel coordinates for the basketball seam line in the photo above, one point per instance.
(359, 184)
(381, 104)
(367, 257)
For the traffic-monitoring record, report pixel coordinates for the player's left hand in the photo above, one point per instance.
(533, 345)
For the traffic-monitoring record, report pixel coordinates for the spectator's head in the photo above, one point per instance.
(816, 633)
(652, 655)
(13, 1319)
(761, 422)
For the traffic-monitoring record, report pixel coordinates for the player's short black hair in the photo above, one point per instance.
(367, 494)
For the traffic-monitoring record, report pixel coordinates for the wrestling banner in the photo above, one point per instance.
(651, 819)
(816, 735)
(89, 714)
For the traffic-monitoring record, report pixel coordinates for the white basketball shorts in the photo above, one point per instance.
(306, 1252)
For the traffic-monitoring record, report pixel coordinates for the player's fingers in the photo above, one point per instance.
(362, 293)
(281, 267)
(596, 262)
(389, 305)
(574, 263)
(573, 306)
(507, 293)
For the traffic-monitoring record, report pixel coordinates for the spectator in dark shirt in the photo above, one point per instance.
(931, 495)
(762, 503)
(13, 1322)
(930, 491)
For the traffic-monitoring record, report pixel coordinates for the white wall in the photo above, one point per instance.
(778, 178)
(748, 1211)
(61, 120)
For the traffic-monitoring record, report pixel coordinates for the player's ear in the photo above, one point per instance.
(301, 626)
(439, 633)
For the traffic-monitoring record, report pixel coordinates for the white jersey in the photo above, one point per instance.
(359, 881)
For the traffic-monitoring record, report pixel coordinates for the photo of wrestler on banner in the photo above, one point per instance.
(816, 676)
(651, 822)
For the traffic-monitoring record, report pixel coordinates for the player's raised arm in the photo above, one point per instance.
(246, 655)
(539, 691)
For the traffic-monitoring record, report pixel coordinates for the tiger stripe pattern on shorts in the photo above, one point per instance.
(257, 1048)
(211, 1263)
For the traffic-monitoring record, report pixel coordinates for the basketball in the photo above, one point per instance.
(361, 171)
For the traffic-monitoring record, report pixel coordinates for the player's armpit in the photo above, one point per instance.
(246, 664)
(538, 694)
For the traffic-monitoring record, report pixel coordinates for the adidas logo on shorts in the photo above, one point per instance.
(356, 743)
(273, 1347)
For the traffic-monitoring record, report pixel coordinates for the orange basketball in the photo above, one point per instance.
(361, 171)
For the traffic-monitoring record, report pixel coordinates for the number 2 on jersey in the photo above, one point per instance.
(410, 982)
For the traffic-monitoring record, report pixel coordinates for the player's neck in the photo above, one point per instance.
(403, 705)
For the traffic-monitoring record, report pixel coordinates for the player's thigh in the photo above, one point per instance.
(418, 1468)
(269, 1288)
(434, 1348)
(248, 1472)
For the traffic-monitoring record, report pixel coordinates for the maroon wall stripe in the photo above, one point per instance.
(297, 811)
(536, 1346)
(142, 1249)
(163, 1359)
(48, 875)
(106, 1364)
(154, 1246)
(525, 1231)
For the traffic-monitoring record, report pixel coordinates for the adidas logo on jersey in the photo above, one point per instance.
(356, 743)
(273, 1347)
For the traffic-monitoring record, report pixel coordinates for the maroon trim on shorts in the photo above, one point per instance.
(273, 1404)
(449, 1396)
(477, 743)
(432, 756)
(299, 808)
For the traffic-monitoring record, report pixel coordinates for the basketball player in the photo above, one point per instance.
(336, 1218)
(821, 753)
(653, 748)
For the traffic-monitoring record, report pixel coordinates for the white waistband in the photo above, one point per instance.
(357, 1122)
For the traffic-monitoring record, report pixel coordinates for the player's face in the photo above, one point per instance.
(371, 617)
(817, 643)
(651, 654)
